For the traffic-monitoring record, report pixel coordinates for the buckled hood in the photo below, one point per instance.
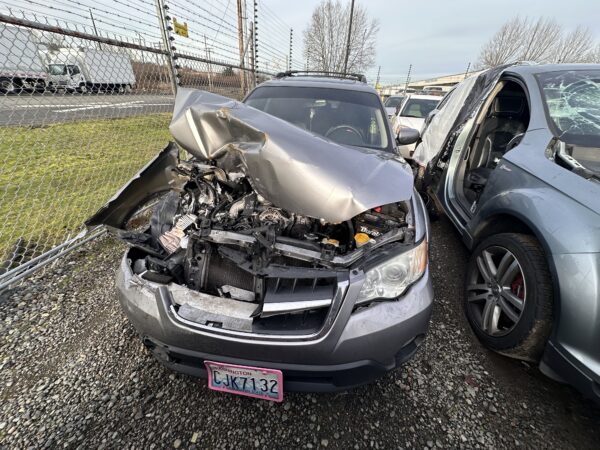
(292, 168)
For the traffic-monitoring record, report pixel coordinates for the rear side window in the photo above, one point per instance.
(347, 117)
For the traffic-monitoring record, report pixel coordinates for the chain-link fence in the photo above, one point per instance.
(83, 108)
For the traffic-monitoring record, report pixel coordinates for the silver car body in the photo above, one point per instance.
(354, 344)
(529, 192)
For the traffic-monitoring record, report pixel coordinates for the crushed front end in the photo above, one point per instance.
(224, 272)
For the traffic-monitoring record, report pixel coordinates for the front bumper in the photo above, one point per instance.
(356, 347)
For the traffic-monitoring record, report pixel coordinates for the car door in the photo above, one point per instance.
(444, 140)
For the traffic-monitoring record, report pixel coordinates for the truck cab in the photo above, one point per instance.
(91, 70)
(67, 77)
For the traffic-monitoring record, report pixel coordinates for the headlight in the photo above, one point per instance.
(392, 277)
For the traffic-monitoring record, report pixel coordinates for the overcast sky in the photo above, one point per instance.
(441, 37)
(438, 37)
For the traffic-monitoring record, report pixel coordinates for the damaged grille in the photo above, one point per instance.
(297, 294)
(296, 300)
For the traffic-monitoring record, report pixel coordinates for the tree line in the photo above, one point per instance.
(541, 40)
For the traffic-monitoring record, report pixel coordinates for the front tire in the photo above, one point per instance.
(509, 295)
(9, 87)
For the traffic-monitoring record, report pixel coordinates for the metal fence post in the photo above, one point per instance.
(167, 40)
(124, 101)
(255, 41)
(241, 46)
(291, 46)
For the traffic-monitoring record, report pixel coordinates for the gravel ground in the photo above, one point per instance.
(74, 375)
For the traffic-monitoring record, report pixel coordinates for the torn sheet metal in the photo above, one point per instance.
(292, 168)
(158, 176)
(466, 100)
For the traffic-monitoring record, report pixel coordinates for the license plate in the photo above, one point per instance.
(266, 384)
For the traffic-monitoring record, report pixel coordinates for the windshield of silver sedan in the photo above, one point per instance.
(573, 106)
(346, 117)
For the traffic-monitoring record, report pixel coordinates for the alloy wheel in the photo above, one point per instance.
(496, 291)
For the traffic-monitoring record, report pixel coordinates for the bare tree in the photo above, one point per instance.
(539, 39)
(326, 36)
(542, 40)
(504, 46)
(593, 56)
(573, 47)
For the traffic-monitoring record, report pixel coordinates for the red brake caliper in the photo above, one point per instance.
(518, 286)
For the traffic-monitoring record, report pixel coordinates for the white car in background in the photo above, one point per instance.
(392, 103)
(412, 114)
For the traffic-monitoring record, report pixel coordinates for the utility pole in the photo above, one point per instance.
(241, 47)
(93, 22)
(252, 54)
(161, 10)
(467, 71)
(95, 29)
(140, 41)
(349, 35)
(207, 51)
(377, 80)
(407, 77)
(291, 46)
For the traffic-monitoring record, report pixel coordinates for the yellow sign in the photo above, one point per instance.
(180, 28)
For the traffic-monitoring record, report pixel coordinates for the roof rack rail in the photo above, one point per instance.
(322, 73)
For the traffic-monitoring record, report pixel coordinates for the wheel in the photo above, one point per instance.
(83, 89)
(509, 295)
(128, 89)
(8, 86)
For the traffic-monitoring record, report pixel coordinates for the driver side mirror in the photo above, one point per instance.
(407, 136)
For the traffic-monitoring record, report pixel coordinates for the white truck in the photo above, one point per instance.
(90, 70)
(21, 65)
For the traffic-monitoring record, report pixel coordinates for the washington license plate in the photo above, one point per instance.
(266, 384)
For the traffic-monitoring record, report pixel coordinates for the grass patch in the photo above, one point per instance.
(52, 178)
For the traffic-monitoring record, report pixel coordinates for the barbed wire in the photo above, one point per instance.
(87, 17)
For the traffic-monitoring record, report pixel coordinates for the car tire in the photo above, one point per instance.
(9, 87)
(512, 313)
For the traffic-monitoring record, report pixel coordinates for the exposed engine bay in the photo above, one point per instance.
(216, 235)
(260, 229)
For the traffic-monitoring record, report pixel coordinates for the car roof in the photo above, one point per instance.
(526, 68)
(425, 97)
(320, 82)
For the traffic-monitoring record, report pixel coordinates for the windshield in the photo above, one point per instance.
(343, 116)
(573, 106)
(418, 107)
(57, 69)
(573, 103)
(392, 102)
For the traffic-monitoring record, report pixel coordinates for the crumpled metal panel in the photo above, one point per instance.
(292, 168)
(465, 102)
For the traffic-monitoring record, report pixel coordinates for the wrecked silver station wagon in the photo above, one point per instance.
(277, 257)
